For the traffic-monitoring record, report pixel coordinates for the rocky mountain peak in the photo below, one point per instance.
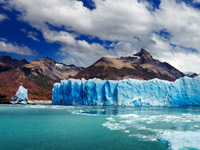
(24, 61)
(47, 59)
(8, 63)
(144, 54)
(139, 66)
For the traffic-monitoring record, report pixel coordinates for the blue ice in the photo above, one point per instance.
(21, 96)
(129, 92)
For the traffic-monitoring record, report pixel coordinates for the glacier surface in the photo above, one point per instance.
(21, 96)
(129, 92)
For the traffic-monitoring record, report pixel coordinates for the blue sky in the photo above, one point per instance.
(16, 31)
(80, 32)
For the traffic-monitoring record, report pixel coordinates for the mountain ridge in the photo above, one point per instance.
(37, 76)
(140, 66)
(8, 63)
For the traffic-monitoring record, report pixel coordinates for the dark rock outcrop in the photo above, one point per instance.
(8, 63)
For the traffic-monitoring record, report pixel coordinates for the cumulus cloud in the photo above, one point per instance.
(108, 21)
(14, 48)
(176, 55)
(129, 22)
(76, 51)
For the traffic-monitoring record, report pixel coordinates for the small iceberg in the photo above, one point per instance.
(21, 96)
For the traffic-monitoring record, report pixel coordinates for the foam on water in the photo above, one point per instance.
(49, 106)
(126, 131)
(179, 131)
(114, 126)
(78, 110)
(36, 106)
(144, 137)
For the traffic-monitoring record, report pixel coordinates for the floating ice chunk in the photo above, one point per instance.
(114, 126)
(129, 92)
(21, 96)
(177, 140)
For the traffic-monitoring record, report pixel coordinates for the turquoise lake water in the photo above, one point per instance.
(49, 127)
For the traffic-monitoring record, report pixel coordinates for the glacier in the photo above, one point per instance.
(128, 92)
(20, 97)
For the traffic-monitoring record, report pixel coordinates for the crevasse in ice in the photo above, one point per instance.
(129, 92)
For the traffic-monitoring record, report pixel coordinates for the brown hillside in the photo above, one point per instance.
(140, 66)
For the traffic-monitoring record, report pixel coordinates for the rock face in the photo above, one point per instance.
(7, 63)
(51, 68)
(12, 79)
(38, 77)
(191, 74)
(139, 66)
(20, 97)
(129, 92)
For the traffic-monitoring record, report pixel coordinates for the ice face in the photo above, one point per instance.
(130, 92)
(21, 96)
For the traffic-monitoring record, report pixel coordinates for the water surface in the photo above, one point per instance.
(51, 127)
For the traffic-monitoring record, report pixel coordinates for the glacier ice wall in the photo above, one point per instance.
(130, 92)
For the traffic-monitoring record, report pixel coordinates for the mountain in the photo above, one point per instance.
(12, 79)
(38, 77)
(51, 68)
(7, 63)
(191, 74)
(140, 66)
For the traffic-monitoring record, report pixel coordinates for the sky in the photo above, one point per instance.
(82, 31)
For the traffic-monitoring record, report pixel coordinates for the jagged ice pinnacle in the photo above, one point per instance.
(21, 96)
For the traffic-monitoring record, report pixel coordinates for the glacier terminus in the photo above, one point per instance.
(128, 92)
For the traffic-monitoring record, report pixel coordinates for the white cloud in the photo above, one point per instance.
(3, 17)
(181, 20)
(76, 51)
(61, 37)
(178, 56)
(31, 35)
(14, 48)
(117, 20)
(196, 1)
